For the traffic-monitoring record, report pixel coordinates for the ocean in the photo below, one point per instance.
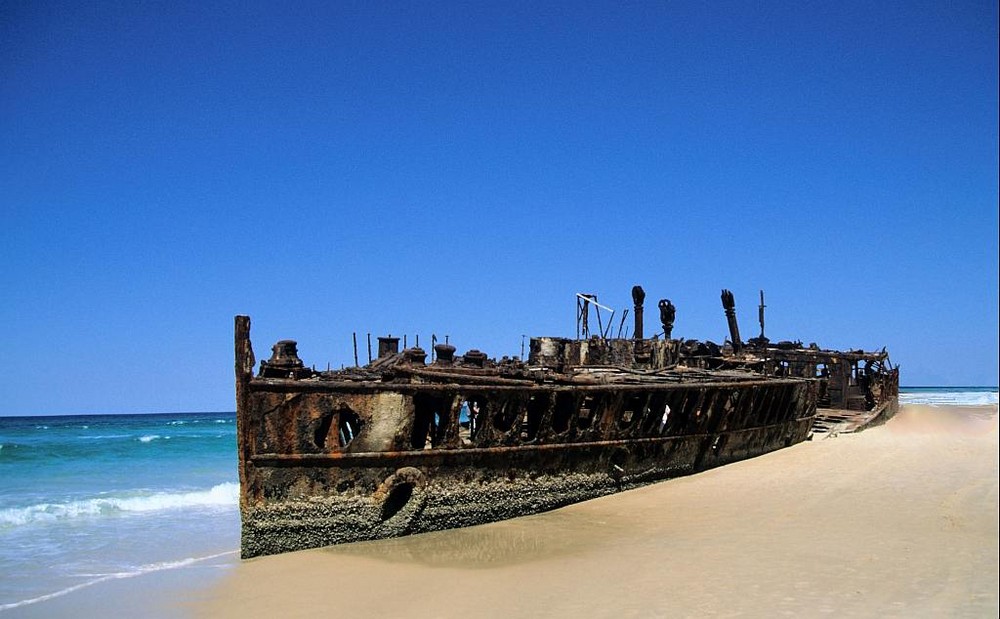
(86, 499)
(948, 396)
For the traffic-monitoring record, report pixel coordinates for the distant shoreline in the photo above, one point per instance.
(950, 387)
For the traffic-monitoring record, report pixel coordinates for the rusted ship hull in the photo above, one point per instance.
(402, 446)
(400, 494)
(331, 459)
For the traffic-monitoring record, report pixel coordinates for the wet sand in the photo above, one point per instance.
(899, 520)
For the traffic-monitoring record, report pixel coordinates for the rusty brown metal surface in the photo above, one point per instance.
(403, 446)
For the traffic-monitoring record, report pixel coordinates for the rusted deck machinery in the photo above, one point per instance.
(857, 389)
(404, 446)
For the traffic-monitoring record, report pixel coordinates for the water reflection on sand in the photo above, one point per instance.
(514, 542)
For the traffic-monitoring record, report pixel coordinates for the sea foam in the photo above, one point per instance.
(957, 397)
(222, 495)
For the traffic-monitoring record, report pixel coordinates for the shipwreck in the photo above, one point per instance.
(407, 444)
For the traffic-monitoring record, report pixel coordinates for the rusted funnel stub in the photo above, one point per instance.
(445, 354)
(475, 358)
(284, 362)
(285, 354)
(415, 355)
(388, 346)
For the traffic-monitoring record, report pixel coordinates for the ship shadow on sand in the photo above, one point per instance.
(513, 542)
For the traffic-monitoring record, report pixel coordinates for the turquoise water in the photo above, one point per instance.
(948, 396)
(86, 499)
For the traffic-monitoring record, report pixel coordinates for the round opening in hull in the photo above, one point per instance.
(398, 497)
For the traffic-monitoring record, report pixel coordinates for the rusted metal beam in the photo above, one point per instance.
(729, 304)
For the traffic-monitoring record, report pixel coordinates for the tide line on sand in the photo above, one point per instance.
(139, 571)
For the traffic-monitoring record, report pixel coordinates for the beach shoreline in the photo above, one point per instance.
(896, 520)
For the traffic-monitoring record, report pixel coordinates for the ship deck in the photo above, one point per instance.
(830, 422)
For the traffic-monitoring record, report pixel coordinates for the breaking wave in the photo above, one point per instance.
(222, 495)
(184, 422)
(956, 397)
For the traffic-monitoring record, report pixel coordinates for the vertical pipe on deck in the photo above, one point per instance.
(729, 304)
(638, 296)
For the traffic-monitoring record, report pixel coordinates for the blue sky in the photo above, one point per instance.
(465, 168)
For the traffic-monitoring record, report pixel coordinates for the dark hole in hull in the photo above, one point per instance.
(398, 497)
(563, 411)
(537, 406)
(431, 420)
(319, 437)
(505, 418)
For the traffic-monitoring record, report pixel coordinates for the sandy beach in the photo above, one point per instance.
(899, 520)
